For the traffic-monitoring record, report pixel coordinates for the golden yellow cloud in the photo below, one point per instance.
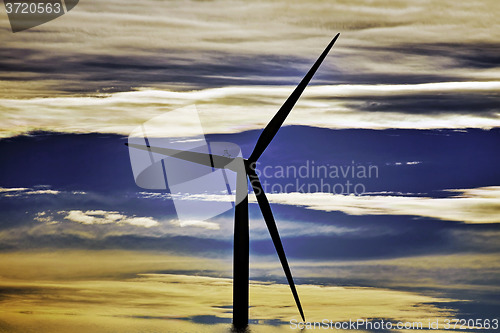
(102, 291)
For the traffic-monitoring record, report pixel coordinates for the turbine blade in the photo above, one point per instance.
(210, 160)
(274, 125)
(273, 230)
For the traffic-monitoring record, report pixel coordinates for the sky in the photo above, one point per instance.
(405, 109)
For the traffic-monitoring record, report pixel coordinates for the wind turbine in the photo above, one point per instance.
(241, 225)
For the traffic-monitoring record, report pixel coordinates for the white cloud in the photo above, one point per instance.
(294, 228)
(196, 224)
(404, 163)
(44, 217)
(146, 222)
(249, 107)
(478, 205)
(107, 217)
(81, 217)
(54, 192)
(21, 191)
(12, 189)
(155, 195)
(218, 228)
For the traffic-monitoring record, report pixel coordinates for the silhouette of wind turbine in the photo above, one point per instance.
(241, 225)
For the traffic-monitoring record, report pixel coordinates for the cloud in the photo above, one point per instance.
(370, 226)
(12, 189)
(126, 290)
(196, 224)
(146, 222)
(451, 273)
(100, 225)
(116, 298)
(107, 217)
(78, 264)
(404, 163)
(234, 43)
(22, 191)
(478, 205)
(252, 107)
(217, 228)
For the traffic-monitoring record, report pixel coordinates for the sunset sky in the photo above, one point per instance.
(411, 88)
